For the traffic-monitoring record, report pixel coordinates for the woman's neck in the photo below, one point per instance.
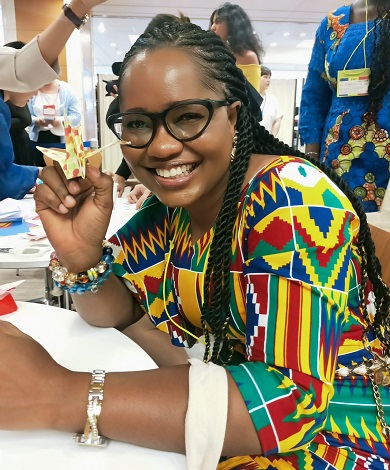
(52, 87)
(358, 11)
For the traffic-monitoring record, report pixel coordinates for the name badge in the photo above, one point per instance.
(49, 111)
(353, 82)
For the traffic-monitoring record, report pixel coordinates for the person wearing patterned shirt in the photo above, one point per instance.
(344, 114)
(246, 253)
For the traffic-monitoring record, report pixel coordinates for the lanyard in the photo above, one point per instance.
(363, 41)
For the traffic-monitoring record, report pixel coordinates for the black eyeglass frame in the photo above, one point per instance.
(156, 117)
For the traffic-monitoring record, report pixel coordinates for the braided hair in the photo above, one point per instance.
(219, 73)
(380, 69)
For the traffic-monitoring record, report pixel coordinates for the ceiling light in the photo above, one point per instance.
(302, 35)
(119, 52)
(273, 44)
(101, 28)
(113, 44)
(286, 34)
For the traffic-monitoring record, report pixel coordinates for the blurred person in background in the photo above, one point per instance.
(345, 109)
(233, 25)
(20, 119)
(270, 109)
(47, 108)
(26, 69)
(36, 63)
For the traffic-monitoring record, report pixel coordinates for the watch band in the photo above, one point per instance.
(78, 22)
(91, 436)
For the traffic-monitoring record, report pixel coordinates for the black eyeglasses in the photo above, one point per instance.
(184, 121)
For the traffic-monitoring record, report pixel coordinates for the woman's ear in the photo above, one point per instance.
(233, 115)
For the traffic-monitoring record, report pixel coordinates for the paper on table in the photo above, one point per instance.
(11, 285)
(7, 302)
(9, 210)
(13, 228)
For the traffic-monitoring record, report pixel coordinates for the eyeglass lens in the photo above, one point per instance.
(184, 122)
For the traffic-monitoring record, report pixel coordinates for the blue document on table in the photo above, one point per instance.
(13, 228)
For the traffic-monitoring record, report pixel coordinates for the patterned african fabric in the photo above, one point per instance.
(294, 311)
(355, 146)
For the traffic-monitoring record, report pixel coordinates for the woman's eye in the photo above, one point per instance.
(136, 124)
(187, 117)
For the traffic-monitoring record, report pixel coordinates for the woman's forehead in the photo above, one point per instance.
(166, 73)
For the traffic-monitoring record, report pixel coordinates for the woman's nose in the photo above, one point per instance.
(164, 145)
(213, 28)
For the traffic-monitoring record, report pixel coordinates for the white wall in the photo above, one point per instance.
(7, 22)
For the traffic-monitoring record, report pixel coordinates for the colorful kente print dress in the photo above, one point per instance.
(351, 142)
(295, 314)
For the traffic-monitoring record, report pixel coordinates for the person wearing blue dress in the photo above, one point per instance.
(350, 134)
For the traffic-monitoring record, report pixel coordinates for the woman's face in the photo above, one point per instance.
(153, 82)
(265, 82)
(220, 27)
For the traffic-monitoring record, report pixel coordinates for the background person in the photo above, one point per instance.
(350, 133)
(31, 67)
(233, 25)
(235, 246)
(20, 120)
(25, 70)
(47, 109)
(15, 180)
(270, 109)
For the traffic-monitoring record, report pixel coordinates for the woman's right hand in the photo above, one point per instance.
(75, 214)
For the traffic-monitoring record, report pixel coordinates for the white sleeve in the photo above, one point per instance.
(278, 112)
(25, 69)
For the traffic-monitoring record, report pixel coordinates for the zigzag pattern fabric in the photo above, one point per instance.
(295, 313)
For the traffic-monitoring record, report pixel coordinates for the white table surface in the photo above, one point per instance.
(120, 215)
(78, 346)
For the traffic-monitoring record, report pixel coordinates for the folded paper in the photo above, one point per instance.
(74, 157)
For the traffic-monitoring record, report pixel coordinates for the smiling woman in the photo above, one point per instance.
(259, 261)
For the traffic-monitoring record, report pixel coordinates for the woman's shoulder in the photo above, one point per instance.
(295, 181)
(247, 58)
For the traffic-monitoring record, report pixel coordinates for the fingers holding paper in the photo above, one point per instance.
(75, 214)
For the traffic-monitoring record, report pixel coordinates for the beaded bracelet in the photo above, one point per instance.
(86, 281)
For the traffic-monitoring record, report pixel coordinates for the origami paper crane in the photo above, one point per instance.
(73, 159)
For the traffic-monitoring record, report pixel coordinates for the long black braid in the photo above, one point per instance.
(380, 69)
(218, 72)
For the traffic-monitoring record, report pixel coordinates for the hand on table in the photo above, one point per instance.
(75, 214)
(32, 383)
(138, 195)
(121, 184)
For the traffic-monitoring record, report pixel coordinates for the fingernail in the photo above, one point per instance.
(69, 201)
(63, 209)
(74, 188)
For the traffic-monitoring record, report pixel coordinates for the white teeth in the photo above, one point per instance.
(177, 171)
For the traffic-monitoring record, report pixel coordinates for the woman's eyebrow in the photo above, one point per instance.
(166, 106)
